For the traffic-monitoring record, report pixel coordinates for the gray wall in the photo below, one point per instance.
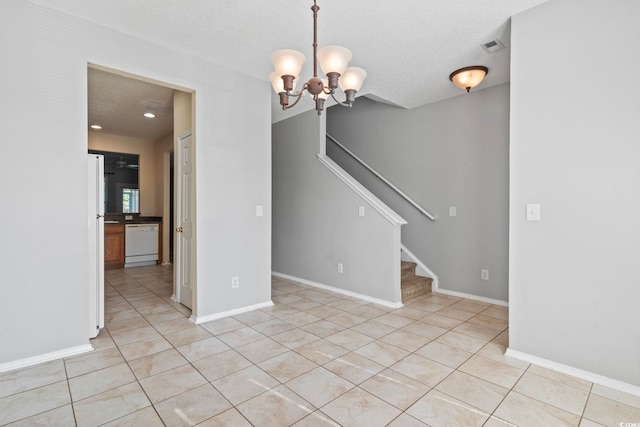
(45, 303)
(316, 223)
(575, 123)
(451, 153)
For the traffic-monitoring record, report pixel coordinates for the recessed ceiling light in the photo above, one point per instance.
(149, 115)
(96, 127)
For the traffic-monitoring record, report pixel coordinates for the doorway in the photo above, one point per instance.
(117, 102)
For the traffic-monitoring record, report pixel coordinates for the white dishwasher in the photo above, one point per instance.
(140, 245)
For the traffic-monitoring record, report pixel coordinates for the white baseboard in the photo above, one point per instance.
(210, 317)
(47, 357)
(473, 297)
(339, 291)
(578, 373)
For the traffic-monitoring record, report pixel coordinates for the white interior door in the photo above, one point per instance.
(184, 253)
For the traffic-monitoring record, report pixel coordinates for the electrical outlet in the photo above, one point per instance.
(340, 268)
(360, 210)
(235, 282)
(128, 217)
(484, 274)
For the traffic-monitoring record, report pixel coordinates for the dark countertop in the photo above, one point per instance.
(137, 219)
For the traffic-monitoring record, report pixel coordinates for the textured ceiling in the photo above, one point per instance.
(117, 103)
(408, 47)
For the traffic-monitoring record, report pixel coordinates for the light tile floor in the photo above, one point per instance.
(315, 358)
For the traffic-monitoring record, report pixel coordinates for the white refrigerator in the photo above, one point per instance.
(96, 243)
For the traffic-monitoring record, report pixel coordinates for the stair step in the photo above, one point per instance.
(415, 286)
(407, 269)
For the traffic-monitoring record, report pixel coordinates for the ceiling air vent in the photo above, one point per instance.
(493, 46)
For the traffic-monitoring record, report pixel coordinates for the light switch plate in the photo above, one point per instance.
(360, 210)
(259, 210)
(533, 212)
(453, 211)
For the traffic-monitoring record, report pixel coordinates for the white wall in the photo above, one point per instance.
(449, 153)
(575, 122)
(45, 303)
(316, 222)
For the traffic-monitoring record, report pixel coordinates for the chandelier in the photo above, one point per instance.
(334, 61)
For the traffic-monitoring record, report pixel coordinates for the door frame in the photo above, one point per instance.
(175, 87)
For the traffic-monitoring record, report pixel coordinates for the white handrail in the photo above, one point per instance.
(383, 179)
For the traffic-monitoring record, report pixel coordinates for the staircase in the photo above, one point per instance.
(413, 286)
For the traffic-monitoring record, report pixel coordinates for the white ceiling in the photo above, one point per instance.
(118, 103)
(408, 47)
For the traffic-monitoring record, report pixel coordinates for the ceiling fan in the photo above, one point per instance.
(121, 164)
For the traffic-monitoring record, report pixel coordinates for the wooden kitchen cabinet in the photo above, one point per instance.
(113, 246)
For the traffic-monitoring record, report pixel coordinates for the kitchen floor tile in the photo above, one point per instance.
(221, 364)
(476, 392)
(33, 377)
(241, 336)
(96, 382)
(146, 417)
(171, 383)
(193, 406)
(423, 370)
(287, 366)
(327, 359)
(492, 371)
(31, 402)
(156, 363)
(245, 384)
(440, 410)
(449, 356)
(321, 351)
(610, 412)
(552, 393)
(110, 405)
(395, 388)
(90, 362)
(261, 350)
(524, 411)
(349, 339)
(145, 347)
(295, 338)
(276, 407)
(319, 386)
(187, 336)
(229, 418)
(382, 353)
(203, 348)
(358, 407)
(353, 367)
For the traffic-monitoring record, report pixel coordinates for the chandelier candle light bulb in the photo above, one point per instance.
(334, 62)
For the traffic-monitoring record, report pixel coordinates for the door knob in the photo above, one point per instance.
(179, 229)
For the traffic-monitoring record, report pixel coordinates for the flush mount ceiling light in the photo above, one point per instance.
(334, 61)
(468, 77)
(149, 115)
